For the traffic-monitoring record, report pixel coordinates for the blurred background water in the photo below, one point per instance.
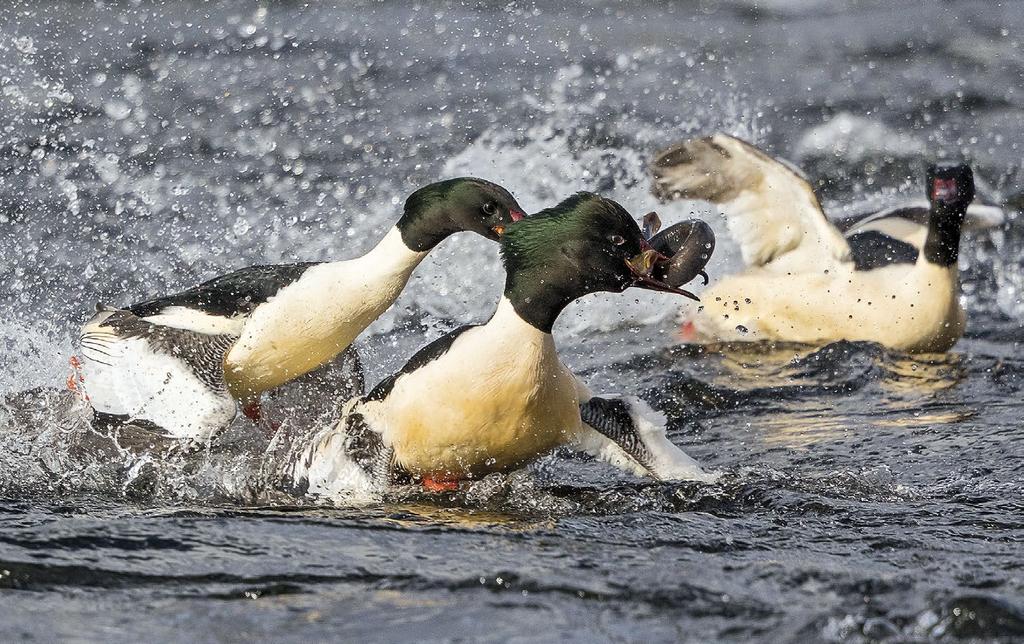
(868, 495)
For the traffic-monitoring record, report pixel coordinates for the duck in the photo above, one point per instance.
(185, 363)
(890, 278)
(492, 397)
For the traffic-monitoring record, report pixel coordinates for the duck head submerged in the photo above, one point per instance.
(440, 209)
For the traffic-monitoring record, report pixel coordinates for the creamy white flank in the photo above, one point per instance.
(799, 284)
(497, 398)
(319, 315)
(912, 307)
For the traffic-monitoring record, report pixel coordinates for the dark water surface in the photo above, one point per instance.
(867, 495)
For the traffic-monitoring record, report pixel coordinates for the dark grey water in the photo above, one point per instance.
(867, 495)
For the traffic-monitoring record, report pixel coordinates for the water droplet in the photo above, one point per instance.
(25, 45)
(117, 110)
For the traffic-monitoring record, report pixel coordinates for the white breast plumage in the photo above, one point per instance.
(310, 321)
(475, 409)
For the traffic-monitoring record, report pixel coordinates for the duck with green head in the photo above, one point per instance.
(184, 362)
(492, 397)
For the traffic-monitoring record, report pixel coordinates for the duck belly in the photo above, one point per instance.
(479, 411)
(908, 307)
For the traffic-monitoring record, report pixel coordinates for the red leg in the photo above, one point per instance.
(688, 331)
(254, 412)
(75, 379)
(440, 484)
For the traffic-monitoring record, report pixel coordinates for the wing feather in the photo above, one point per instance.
(625, 432)
(170, 377)
(770, 208)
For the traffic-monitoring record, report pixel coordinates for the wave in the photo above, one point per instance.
(49, 446)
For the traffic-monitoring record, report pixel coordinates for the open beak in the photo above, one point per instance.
(642, 265)
(516, 215)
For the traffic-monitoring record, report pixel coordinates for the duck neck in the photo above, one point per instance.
(539, 294)
(392, 257)
(513, 325)
(942, 245)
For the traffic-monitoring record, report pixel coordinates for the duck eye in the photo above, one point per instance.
(618, 240)
(490, 209)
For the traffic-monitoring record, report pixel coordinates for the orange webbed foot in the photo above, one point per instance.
(688, 331)
(439, 484)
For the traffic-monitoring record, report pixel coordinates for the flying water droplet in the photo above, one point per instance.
(117, 110)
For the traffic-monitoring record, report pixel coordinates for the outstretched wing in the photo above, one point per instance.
(625, 432)
(979, 216)
(770, 208)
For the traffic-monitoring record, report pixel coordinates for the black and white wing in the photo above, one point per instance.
(896, 235)
(167, 376)
(231, 295)
(626, 432)
(770, 208)
(348, 462)
(161, 360)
